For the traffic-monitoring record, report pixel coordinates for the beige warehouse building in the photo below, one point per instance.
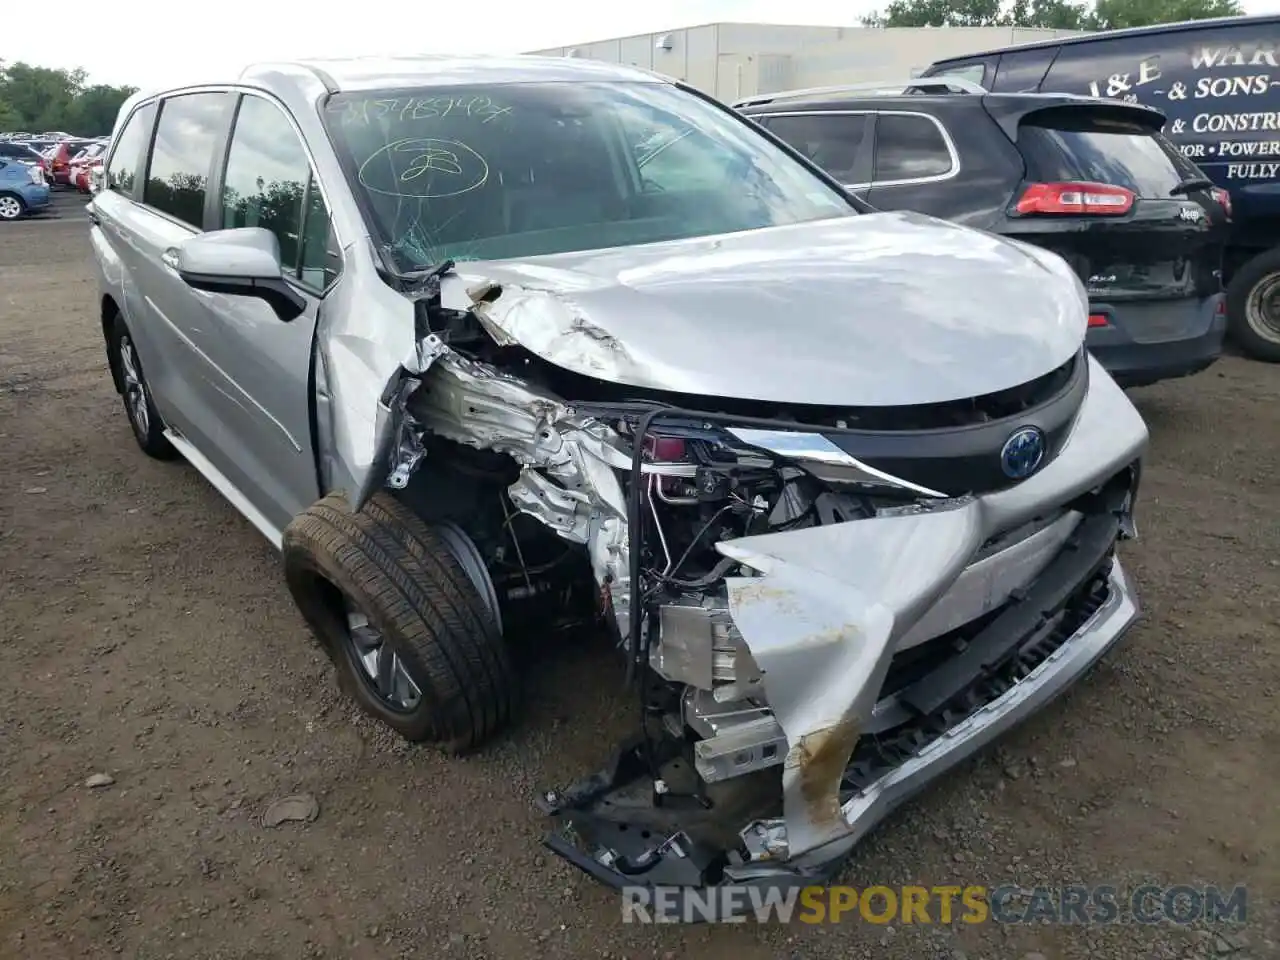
(734, 60)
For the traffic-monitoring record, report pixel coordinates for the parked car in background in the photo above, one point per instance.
(23, 152)
(86, 156)
(494, 346)
(83, 177)
(20, 151)
(60, 159)
(1093, 181)
(23, 188)
(1217, 83)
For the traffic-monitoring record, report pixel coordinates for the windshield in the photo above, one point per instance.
(518, 170)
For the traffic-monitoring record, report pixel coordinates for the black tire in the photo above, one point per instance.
(6, 209)
(148, 427)
(1247, 326)
(398, 573)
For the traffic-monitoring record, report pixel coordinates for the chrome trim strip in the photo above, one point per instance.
(816, 448)
(225, 487)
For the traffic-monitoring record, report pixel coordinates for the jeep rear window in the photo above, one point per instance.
(525, 169)
(1079, 146)
(832, 141)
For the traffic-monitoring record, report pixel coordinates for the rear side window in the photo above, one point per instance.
(129, 152)
(1103, 151)
(186, 136)
(832, 141)
(910, 147)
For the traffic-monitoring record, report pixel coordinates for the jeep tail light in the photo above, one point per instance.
(1223, 197)
(1097, 320)
(1075, 200)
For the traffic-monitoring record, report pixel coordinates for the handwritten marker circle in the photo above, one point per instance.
(426, 168)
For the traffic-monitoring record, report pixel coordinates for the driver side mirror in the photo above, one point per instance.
(242, 262)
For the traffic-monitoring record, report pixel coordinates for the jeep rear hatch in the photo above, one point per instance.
(1106, 191)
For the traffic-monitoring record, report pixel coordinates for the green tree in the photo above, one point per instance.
(46, 98)
(937, 13)
(1056, 14)
(1050, 14)
(1117, 14)
(94, 110)
(9, 119)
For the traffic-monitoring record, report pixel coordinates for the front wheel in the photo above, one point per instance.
(1253, 307)
(11, 206)
(412, 639)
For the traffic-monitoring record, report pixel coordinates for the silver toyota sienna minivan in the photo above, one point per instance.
(490, 347)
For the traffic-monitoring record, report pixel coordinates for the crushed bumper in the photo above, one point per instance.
(631, 825)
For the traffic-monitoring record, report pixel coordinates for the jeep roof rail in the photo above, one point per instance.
(938, 84)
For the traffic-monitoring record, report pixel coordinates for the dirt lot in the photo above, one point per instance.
(145, 633)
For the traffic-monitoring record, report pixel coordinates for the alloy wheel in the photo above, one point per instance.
(10, 208)
(381, 667)
(135, 391)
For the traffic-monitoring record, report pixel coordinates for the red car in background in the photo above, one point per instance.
(79, 165)
(59, 157)
(82, 177)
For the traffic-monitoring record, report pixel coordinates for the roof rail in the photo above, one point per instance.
(940, 84)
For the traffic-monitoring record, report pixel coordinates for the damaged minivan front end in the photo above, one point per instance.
(822, 610)
(843, 490)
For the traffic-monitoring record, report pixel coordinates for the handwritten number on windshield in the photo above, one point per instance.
(406, 109)
(425, 168)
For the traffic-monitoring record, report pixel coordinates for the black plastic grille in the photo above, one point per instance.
(876, 756)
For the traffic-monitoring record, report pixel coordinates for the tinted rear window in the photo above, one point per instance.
(1104, 151)
(832, 141)
(18, 151)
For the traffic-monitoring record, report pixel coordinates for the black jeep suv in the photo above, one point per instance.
(1092, 180)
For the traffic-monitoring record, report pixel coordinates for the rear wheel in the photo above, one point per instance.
(11, 206)
(126, 369)
(1253, 307)
(412, 637)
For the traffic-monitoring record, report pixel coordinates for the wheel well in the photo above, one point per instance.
(109, 313)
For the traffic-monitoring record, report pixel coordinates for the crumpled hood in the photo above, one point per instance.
(875, 310)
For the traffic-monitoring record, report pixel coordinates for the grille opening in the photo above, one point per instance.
(969, 411)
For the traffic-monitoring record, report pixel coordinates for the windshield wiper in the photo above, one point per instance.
(657, 150)
(1190, 185)
(408, 281)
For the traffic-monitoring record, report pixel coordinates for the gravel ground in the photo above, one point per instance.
(146, 635)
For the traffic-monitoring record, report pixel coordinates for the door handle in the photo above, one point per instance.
(170, 259)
